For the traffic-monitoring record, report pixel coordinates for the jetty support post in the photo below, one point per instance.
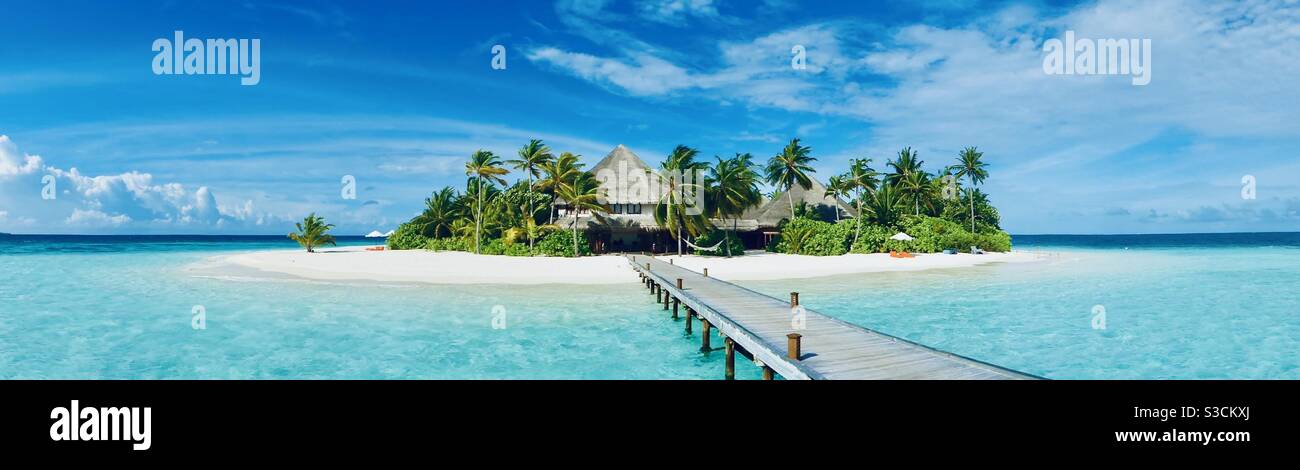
(676, 301)
(705, 334)
(730, 373)
(794, 346)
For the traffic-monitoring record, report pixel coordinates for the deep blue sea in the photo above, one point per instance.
(120, 307)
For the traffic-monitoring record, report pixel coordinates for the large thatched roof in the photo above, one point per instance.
(630, 185)
(772, 211)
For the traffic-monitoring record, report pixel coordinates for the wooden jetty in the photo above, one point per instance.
(799, 344)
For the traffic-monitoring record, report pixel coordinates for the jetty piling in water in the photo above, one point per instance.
(730, 373)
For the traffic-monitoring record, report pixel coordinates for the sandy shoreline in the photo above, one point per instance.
(356, 264)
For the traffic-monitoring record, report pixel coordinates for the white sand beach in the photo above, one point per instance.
(354, 263)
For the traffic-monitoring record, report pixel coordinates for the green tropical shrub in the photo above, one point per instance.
(712, 238)
(872, 239)
(450, 244)
(813, 237)
(494, 246)
(933, 234)
(406, 237)
(560, 243)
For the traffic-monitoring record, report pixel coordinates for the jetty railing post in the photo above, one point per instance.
(706, 272)
(730, 373)
(794, 299)
(794, 346)
(704, 335)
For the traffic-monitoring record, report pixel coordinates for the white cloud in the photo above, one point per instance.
(94, 218)
(126, 200)
(676, 12)
(13, 163)
(640, 74)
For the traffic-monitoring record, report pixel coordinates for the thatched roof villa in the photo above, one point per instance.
(630, 224)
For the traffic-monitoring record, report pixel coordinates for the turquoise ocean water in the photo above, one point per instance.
(1176, 306)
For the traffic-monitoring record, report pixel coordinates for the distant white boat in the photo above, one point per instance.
(390, 233)
(376, 234)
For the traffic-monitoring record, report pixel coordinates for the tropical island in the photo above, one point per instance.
(547, 225)
(556, 208)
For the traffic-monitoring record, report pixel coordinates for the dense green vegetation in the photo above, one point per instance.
(933, 208)
(492, 216)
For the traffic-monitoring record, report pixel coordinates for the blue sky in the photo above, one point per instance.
(399, 94)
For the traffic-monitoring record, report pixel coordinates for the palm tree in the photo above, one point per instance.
(483, 165)
(837, 187)
(530, 161)
(861, 178)
(440, 209)
(313, 232)
(672, 210)
(558, 172)
(969, 166)
(582, 192)
(495, 210)
(789, 167)
(733, 188)
(915, 185)
(883, 206)
(908, 162)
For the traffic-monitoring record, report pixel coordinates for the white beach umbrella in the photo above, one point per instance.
(900, 236)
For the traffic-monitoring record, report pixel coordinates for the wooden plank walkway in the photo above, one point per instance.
(828, 348)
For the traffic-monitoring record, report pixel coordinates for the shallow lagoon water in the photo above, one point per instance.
(120, 308)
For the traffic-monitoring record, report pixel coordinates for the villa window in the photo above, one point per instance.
(634, 208)
(618, 208)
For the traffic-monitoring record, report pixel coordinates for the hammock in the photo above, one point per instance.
(700, 248)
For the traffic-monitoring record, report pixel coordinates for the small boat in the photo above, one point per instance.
(374, 248)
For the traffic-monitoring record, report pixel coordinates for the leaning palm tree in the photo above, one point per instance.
(908, 162)
(440, 209)
(483, 165)
(313, 232)
(791, 167)
(837, 187)
(558, 171)
(860, 178)
(733, 188)
(582, 192)
(530, 161)
(676, 209)
(969, 166)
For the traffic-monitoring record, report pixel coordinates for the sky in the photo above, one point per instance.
(396, 95)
